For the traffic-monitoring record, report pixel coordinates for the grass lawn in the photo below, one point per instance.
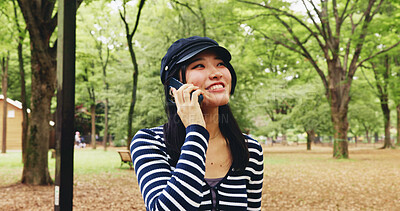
(294, 179)
(86, 162)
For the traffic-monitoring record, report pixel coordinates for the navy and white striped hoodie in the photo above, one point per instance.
(183, 187)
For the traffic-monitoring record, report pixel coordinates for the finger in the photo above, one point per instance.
(177, 96)
(186, 95)
(171, 89)
(171, 93)
(187, 90)
(195, 96)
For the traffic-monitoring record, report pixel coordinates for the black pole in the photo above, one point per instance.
(65, 105)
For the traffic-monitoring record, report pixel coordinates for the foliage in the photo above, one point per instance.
(8, 44)
(277, 90)
(364, 109)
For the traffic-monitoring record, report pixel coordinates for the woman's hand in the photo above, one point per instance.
(188, 108)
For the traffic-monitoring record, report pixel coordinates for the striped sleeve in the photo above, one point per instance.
(255, 169)
(161, 187)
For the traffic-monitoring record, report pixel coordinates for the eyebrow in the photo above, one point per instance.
(195, 60)
(201, 58)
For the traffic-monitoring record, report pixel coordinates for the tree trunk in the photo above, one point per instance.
(340, 144)
(25, 117)
(310, 138)
(355, 140)
(106, 86)
(41, 21)
(386, 114)
(129, 39)
(398, 124)
(338, 97)
(284, 140)
(93, 117)
(376, 137)
(4, 89)
(133, 99)
(367, 136)
(382, 86)
(92, 97)
(105, 137)
(36, 170)
(25, 120)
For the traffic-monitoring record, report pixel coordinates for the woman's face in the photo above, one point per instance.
(207, 71)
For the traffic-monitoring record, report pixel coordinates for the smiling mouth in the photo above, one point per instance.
(215, 86)
(218, 86)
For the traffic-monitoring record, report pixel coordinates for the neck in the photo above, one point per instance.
(211, 118)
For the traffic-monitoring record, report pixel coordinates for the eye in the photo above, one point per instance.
(221, 64)
(198, 66)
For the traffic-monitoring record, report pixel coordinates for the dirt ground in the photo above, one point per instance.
(294, 179)
(99, 192)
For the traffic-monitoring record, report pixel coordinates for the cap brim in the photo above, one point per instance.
(220, 51)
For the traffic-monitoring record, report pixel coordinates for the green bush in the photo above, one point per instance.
(119, 143)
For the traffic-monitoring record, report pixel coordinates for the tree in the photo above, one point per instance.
(41, 21)
(199, 14)
(86, 82)
(93, 68)
(339, 30)
(382, 70)
(4, 68)
(395, 88)
(311, 112)
(104, 63)
(15, 32)
(129, 40)
(25, 117)
(364, 108)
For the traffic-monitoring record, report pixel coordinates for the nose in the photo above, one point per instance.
(215, 73)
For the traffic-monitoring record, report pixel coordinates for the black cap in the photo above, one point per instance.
(186, 48)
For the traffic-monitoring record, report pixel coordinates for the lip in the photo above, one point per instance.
(216, 90)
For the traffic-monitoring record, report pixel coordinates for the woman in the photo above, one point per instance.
(199, 160)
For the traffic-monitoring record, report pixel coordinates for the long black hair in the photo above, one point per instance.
(175, 132)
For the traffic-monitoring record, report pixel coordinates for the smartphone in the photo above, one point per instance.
(172, 82)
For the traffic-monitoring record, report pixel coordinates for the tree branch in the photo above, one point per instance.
(17, 21)
(342, 17)
(320, 18)
(335, 13)
(348, 44)
(189, 8)
(127, 30)
(313, 20)
(376, 54)
(141, 4)
(377, 9)
(306, 40)
(378, 85)
(304, 52)
(290, 16)
(325, 20)
(369, 83)
(361, 38)
(283, 44)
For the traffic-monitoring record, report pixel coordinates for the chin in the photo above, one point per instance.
(216, 102)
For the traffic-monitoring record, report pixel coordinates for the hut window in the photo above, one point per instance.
(11, 114)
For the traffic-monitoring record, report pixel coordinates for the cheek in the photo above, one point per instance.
(227, 76)
(195, 78)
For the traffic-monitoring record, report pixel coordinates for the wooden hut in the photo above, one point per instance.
(14, 124)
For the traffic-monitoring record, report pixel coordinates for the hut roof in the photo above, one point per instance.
(15, 103)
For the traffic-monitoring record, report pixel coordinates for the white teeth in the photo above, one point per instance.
(218, 86)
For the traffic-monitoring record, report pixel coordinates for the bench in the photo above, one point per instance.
(125, 157)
